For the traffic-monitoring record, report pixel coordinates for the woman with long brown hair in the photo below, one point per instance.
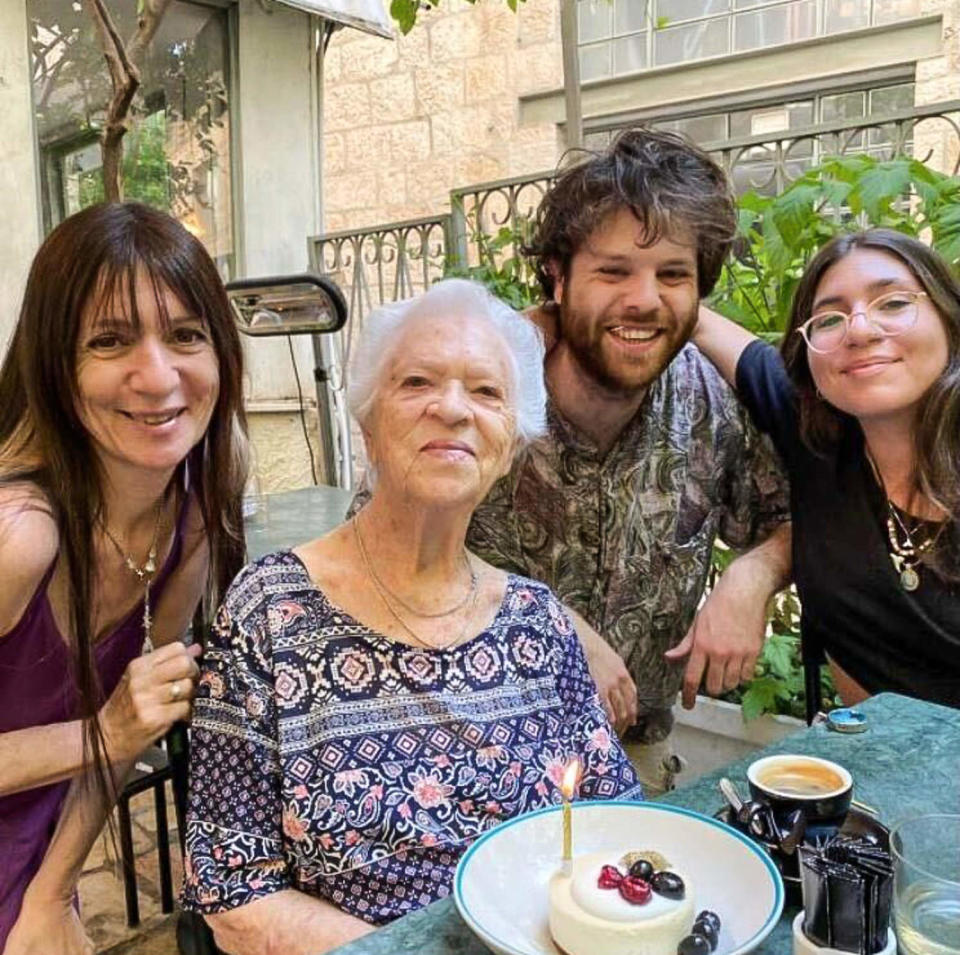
(863, 404)
(122, 462)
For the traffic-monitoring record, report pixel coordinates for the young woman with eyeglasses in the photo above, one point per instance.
(863, 404)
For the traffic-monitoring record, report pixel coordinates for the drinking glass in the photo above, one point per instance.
(255, 507)
(926, 884)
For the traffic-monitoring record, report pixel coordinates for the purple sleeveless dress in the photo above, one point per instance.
(36, 689)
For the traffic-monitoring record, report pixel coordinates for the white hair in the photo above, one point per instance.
(454, 298)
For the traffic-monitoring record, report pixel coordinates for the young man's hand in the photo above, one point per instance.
(618, 692)
(725, 639)
(727, 634)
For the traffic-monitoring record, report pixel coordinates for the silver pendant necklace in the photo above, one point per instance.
(905, 556)
(144, 574)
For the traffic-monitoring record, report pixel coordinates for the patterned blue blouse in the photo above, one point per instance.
(330, 759)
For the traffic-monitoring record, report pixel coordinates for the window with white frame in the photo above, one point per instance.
(848, 107)
(618, 37)
(177, 147)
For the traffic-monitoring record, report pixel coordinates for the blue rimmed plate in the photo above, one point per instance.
(500, 886)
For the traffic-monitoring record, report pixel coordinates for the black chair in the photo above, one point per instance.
(151, 771)
(812, 657)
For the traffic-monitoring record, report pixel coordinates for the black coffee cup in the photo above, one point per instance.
(820, 789)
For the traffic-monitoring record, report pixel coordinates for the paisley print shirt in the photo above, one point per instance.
(625, 539)
(330, 759)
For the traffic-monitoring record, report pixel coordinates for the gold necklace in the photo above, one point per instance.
(144, 574)
(383, 594)
(471, 591)
(904, 556)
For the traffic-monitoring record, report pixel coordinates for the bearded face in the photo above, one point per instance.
(626, 309)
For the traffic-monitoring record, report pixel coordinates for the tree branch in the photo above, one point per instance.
(122, 62)
(149, 20)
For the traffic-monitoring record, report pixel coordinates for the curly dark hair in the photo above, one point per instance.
(668, 183)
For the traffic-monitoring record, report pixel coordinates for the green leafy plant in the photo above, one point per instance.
(405, 12)
(780, 234)
(777, 685)
(501, 266)
(145, 167)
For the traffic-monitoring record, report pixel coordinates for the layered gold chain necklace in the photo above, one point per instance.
(905, 554)
(388, 596)
(144, 573)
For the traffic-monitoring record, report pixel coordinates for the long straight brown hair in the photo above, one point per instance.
(937, 436)
(93, 258)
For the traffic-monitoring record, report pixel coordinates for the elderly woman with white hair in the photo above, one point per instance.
(374, 700)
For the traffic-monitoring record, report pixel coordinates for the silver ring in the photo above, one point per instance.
(175, 690)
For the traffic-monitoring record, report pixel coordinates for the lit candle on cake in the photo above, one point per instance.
(568, 788)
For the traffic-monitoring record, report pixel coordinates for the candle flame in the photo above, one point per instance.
(571, 778)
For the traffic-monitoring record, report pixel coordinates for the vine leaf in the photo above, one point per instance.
(405, 14)
(760, 697)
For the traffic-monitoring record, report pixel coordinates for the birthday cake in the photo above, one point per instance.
(635, 905)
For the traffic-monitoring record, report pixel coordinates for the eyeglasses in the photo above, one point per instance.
(891, 314)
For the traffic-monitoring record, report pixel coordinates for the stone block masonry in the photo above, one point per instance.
(410, 119)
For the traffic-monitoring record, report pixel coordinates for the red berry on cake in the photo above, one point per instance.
(610, 877)
(635, 891)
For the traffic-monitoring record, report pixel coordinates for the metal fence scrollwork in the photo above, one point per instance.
(386, 263)
(769, 165)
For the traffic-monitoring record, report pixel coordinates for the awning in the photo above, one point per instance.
(366, 15)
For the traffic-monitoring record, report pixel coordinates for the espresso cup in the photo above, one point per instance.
(820, 789)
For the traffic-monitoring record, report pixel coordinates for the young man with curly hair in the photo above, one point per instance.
(649, 457)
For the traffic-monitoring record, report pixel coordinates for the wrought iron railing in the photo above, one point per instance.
(769, 164)
(372, 266)
(385, 263)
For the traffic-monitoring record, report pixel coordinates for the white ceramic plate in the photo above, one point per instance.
(500, 886)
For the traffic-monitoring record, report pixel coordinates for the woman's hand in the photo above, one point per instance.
(48, 927)
(154, 692)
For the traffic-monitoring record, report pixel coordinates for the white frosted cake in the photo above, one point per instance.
(600, 908)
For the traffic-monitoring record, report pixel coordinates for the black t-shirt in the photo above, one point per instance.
(854, 607)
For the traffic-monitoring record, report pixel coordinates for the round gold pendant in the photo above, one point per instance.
(909, 579)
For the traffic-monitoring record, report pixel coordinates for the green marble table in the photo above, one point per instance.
(293, 517)
(905, 764)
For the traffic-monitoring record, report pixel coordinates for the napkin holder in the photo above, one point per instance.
(804, 946)
(847, 896)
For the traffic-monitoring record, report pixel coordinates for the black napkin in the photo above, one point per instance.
(847, 894)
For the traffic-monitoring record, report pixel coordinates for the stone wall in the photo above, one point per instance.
(407, 120)
(280, 459)
(938, 79)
